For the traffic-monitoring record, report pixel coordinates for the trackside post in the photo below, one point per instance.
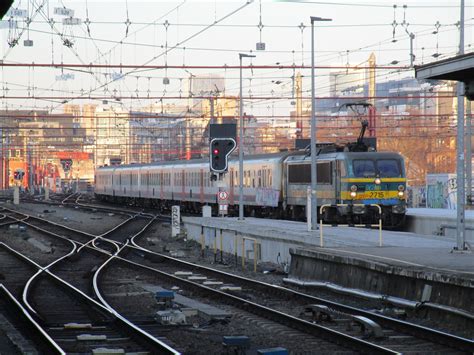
(378, 225)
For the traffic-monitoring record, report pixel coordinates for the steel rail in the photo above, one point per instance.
(399, 325)
(419, 331)
(163, 348)
(277, 316)
(36, 328)
(258, 309)
(40, 268)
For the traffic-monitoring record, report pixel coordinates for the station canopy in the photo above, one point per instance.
(459, 68)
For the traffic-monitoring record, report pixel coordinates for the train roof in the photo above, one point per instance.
(233, 158)
(346, 156)
(295, 156)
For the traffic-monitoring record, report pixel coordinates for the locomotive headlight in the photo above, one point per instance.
(353, 194)
(401, 188)
(401, 194)
(353, 188)
(377, 181)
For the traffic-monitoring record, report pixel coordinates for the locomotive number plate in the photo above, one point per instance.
(375, 194)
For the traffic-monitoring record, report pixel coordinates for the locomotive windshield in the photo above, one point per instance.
(364, 168)
(372, 168)
(388, 168)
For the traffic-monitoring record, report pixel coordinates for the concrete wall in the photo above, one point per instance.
(382, 278)
(437, 222)
(274, 245)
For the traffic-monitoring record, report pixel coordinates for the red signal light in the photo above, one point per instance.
(215, 151)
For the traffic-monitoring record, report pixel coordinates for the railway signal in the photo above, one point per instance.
(18, 175)
(221, 144)
(66, 164)
(220, 149)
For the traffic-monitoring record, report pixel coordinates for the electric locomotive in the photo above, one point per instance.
(351, 183)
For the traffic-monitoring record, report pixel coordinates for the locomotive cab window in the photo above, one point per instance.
(364, 168)
(388, 168)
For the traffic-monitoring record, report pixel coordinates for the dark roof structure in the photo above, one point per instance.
(459, 68)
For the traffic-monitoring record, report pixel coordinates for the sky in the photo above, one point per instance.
(203, 33)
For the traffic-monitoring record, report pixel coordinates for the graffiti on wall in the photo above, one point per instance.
(441, 191)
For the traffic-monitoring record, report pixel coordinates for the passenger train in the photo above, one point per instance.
(274, 185)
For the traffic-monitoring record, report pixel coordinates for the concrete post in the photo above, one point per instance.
(16, 195)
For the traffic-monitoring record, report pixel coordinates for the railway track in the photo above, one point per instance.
(240, 315)
(76, 322)
(20, 332)
(389, 335)
(147, 323)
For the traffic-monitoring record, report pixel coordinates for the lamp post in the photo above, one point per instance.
(314, 213)
(241, 139)
(460, 195)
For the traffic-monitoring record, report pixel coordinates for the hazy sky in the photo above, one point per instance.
(358, 28)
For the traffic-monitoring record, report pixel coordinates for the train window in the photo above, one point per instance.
(299, 174)
(363, 168)
(388, 168)
(324, 173)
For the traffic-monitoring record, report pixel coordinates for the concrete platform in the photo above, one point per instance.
(403, 267)
(438, 221)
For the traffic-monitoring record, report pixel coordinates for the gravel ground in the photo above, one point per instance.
(37, 246)
(94, 222)
(159, 239)
(201, 336)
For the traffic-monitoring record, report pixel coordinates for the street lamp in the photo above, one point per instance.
(314, 213)
(241, 139)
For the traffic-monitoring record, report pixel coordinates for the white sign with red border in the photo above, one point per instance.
(223, 195)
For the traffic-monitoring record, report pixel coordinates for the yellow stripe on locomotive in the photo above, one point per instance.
(370, 189)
